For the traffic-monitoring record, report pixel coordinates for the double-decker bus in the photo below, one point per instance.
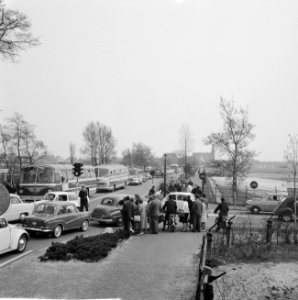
(37, 180)
(111, 177)
(136, 176)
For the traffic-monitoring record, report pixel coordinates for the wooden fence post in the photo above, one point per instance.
(209, 249)
(228, 233)
(269, 231)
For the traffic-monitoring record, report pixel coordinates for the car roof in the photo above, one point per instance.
(117, 196)
(56, 203)
(180, 193)
(61, 193)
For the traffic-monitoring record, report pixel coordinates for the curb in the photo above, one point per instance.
(15, 258)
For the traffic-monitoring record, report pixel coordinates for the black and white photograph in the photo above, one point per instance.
(149, 149)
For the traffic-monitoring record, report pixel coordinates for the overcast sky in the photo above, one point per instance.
(145, 67)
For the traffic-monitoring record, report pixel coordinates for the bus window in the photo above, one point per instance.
(57, 178)
(100, 172)
(29, 175)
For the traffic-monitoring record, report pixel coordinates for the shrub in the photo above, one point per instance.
(87, 249)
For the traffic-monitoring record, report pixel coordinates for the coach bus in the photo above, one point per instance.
(111, 177)
(37, 180)
(136, 176)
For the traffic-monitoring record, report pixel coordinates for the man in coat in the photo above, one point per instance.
(127, 215)
(83, 194)
(197, 209)
(154, 211)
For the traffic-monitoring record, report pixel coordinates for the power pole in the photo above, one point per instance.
(165, 176)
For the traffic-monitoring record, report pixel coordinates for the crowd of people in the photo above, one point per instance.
(140, 217)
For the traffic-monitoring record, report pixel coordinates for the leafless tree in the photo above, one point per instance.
(91, 139)
(72, 152)
(186, 143)
(5, 138)
(15, 34)
(139, 155)
(107, 143)
(291, 156)
(233, 141)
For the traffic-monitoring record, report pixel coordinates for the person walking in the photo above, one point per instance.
(197, 214)
(84, 199)
(170, 207)
(184, 214)
(154, 212)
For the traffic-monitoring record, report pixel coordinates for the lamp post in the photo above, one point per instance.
(165, 176)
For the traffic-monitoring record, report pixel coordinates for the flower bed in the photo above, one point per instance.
(88, 249)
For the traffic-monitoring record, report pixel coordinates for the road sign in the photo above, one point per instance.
(4, 199)
(253, 184)
(202, 176)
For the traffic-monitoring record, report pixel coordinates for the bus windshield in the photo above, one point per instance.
(100, 172)
(38, 175)
(29, 175)
(133, 172)
(45, 175)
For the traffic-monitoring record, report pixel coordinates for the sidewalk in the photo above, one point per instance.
(153, 266)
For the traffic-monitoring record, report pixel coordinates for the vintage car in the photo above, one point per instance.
(12, 237)
(109, 209)
(56, 216)
(285, 210)
(17, 209)
(266, 204)
(63, 196)
(179, 196)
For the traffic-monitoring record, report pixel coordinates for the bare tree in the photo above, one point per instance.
(233, 141)
(106, 143)
(72, 152)
(186, 143)
(5, 138)
(90, 136)
(291, 156)
(139, 155)
(15, 34)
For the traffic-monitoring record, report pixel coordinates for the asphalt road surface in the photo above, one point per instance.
(43, 241)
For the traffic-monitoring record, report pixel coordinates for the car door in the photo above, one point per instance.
(74, 217)
(4, 235)
(73, 198)
(15, 208)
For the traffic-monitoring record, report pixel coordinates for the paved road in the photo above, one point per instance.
(42, 241)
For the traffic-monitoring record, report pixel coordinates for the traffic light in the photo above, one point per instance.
(77, 169)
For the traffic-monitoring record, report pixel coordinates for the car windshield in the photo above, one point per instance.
(49, 196)
(100, 172)
(133, 172)
(44, 209)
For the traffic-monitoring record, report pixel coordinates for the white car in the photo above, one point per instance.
(179, 196)
(17, 209)
(63, 196)
(12, 237)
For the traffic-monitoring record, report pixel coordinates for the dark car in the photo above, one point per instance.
(55, 217)
(285, 211)
(109, 209)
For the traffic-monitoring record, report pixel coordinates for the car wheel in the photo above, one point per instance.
(57, 231)
(85, 225)
(255, 210)
(22, 243)
(119, 222)
(287, 217)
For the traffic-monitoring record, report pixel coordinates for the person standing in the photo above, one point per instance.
(127, 215)
(204, 215)
(84, 200)
(154, 210)
(190, 207)
(141, 213)
(184, 214)
(197, 214)
(152, 191)
(170, 207)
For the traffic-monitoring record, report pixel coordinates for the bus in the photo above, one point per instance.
(136, 176)
(37, 180)
(111, 177)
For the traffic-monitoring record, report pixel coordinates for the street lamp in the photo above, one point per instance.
(165, 176)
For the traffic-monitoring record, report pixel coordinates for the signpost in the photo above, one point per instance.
(253, 184)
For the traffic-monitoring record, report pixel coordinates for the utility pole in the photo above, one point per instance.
(165, 176)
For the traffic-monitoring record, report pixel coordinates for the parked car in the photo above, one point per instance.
(179, 196)
(266, 204)
(12, 237)
(63, 196)
(17, 209)
(109, 209)
(55, 217)
(285, 210)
